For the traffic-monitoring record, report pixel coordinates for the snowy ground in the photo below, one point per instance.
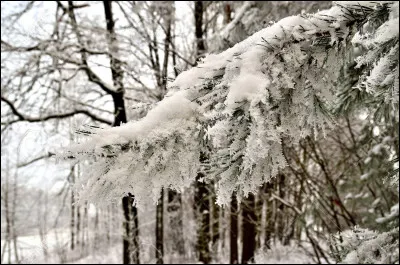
(56, 243)
(31, 248)
(32, 251)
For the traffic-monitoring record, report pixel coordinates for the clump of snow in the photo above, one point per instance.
(365, 246)
(381, 56)
(394, 213)
(349, 196)
(365, 176)
(173, 107)
(251, 83)
(376, 149)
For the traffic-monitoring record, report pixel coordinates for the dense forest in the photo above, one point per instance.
(200, 132)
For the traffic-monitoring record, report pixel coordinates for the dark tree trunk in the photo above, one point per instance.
(202, 197)
(269, 224)
(215, 218)
(72, 224)
(159, 230)
(234, 231)
(249, 229)
(130, 223)
(126, 207)
(198, 18)
(175, 216)
(258, 210)
(202, 209)
(78, 225)
(136, 252)
(281, 206)
(227, 13)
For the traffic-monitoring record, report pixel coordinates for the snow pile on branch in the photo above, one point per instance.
(144, 156)
(382, 53)
(237, 107)
(361, 246)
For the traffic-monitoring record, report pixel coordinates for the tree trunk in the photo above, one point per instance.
(130, 211)
(215, 219)
(127, 223)
(96, 229)
(136, 252)
(249, 229)
(280, 214)
(85, 226)
(72, 223)
(234, 231)
(78, 212)
(78, 225)
(269, 224)
(227, 13)
(174, 208)
(202, 207)
(258, 211)
(159, 230)
(175, 216)
(198, 18)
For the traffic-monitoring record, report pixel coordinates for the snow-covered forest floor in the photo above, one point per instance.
(57, 247)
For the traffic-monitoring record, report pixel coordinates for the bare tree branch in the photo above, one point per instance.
(35, 159)
(22, 117)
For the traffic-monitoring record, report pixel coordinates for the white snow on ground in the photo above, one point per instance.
(31, 247)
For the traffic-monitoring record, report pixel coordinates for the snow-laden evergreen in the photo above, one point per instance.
(237, 106)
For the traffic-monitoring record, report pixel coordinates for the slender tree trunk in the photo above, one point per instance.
(215, 218)
(258, 210)
(42, 218)
(249, 229)
(6, 198)
(175, 216)
(223, 228)
(78, 225)
(127, 223)
(159, 230)
(13, 213)
(72, 223)
(96, 229)
(202, 209)
(174, 208)
(234, 231)
(136, 252)
(85, 236)
(108, 224)
(198, 18)
(227, 13)
(269, 224)
(78, 213)
(280, 215)
(202, 198)
(130, 211)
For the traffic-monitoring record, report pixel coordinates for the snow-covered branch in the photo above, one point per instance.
(238, 106)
